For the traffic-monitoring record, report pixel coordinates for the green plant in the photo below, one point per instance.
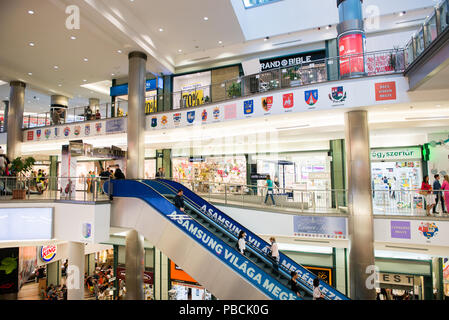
(234, 90)
(20, 166)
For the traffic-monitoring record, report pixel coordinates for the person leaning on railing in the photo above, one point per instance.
(426, 191)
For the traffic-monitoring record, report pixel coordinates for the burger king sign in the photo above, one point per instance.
(48, 253)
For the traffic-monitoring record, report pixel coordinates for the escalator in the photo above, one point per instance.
(204, 249)
(259, 247)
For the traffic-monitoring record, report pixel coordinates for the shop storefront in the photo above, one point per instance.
(394, 170)
(184, 287)
(212, 169)
(191, 90)
(446, 277)
(399, 287)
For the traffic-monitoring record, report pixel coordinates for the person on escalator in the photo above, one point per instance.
(293, 284)
(274, 253)
(317, 295)
(179, 201)
(242, 242)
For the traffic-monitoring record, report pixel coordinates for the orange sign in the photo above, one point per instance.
(386, 91)
(176, 273)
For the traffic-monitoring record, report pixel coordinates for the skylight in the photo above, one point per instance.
(255, 3)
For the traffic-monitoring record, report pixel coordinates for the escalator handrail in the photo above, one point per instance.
(255, 267)
(284, 271)
(192, 205)
(282, 255)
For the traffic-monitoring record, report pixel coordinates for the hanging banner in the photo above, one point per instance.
(351, 54)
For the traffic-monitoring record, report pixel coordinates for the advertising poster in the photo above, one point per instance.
(351, 45)
(115, 125)
(27, 263)
(320, 227)
(412, 231)
(324, 274)
(176, 273)
(9, 270)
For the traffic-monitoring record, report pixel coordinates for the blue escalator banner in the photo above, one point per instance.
(240, 264)
(218, 216)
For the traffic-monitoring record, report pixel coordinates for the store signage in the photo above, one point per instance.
(396, 154)
(177, 274)
(320, 227)
(48, 253)
(196, 159)
(122, 90)
(351, 54)
(259, 176)
(400, 229)
(385, 91)
(398, 279)
(291, 60)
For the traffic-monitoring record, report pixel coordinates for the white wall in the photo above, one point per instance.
(378, 42)
(439, 156)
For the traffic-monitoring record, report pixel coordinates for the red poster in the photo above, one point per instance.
(385, 91)
(30, 136)
(351, 54)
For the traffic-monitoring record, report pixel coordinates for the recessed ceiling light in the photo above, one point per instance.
(206, 18)
(85, 59)
(59, 85)
(84, 80)
(160, 29)
(73, 38)
(119, 51)
(112, 74)
(31, 44)
(30, 11)
(30, 73)
(56, 67)
(179, 50)
(402, 13)
(220, 42)
(266, 38)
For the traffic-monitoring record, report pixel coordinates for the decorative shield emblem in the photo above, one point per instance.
(38, 133)
(177, 118)
(248, 107)
(47, 133)
(190, 116)
(288, 100)
(164, 120)
(66, 131)
(311, 97)
(98, 127)
(204, 115)
(77, 130)
(338, 94)
(216, 113)
(87, 130)
(267, 103)
(154, 122)
(56, 132)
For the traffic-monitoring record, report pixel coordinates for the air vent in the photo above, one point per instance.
(199, 59)
(286, 42)
(408, 21)
(407, 248)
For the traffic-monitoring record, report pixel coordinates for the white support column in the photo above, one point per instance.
(75, 272)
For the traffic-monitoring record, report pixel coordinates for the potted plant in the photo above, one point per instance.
(234, 90)
(19, 167)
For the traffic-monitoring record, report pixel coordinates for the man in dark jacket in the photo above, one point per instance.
(438, 193)
(179, 201)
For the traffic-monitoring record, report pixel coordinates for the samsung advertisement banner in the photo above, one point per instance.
(18, 224)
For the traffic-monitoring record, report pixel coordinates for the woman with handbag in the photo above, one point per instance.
(426, 191)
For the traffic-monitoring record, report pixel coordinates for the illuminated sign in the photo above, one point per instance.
(48, 253)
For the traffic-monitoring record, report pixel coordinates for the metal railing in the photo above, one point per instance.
(434, 26)
(307, 73)
(82, 189)
(385, 202)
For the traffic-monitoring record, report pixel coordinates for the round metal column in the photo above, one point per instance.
(15, 117)
(136, 115)
(134, 266)
(75, 272)
(360, 222)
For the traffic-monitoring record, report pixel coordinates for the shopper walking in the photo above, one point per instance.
(241, 244)
(274, 253)
(438, 194)
(317, 295)
(426, 191)
(179, 200)
(160, 173)
(269, 186)
(445, 187)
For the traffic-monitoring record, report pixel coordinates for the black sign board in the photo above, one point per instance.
(259, 176)
(196, 159)
(290, 60)
(9, 270)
